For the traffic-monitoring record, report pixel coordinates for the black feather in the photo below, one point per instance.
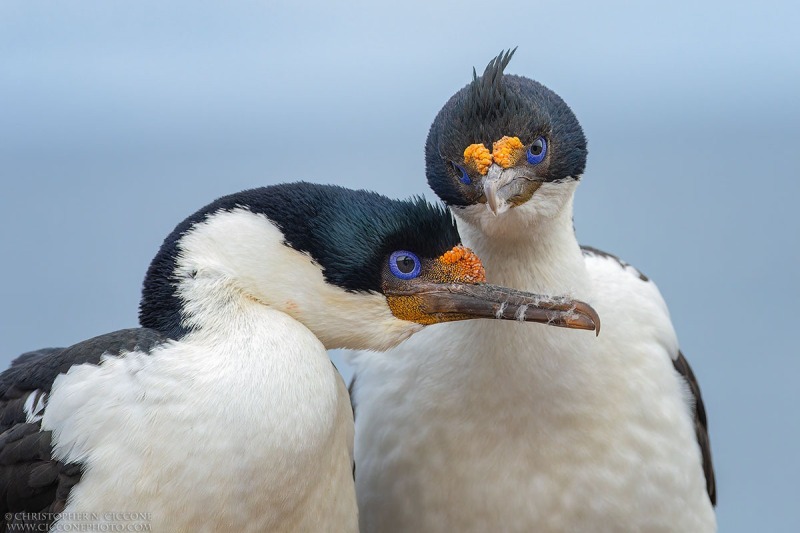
(700, 423)
(487, 94)
(35, 354)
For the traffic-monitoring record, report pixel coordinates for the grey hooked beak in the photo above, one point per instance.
(445, 302)
(507, 188)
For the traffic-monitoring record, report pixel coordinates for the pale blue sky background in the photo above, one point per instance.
(118, 119)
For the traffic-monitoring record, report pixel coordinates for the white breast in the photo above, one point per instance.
(251, 433)
(490, 426)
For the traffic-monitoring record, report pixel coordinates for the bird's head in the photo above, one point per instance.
(359, 270)
(505, 144)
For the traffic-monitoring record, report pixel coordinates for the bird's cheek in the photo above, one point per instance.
(522, 191)
(413, 309)
(409, 308)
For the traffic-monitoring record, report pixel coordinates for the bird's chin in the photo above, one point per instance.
(546, 203)
(517, 192)
(507, 222)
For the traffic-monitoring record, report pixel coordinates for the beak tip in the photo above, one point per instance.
(596, 320)
(586, 317)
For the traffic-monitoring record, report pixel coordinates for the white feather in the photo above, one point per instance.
(34, 406)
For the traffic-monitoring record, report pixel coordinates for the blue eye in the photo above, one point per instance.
(404, 265)
(537, 151)
(464, 176)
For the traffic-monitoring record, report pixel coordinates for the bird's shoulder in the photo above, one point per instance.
(599, 257)
(624, 290)
(33, 485)
(37, 370)
(621, 291)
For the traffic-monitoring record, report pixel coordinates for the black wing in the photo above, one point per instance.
(700, 423)
(350, 389)
(36, 354)
(34, 486)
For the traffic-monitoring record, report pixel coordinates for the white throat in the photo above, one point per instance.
(531, 247)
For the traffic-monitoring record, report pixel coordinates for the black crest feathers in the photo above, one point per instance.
(487, 93)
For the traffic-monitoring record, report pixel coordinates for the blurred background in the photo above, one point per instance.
(119, 119)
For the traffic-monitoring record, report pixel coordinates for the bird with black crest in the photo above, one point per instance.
(485, 427)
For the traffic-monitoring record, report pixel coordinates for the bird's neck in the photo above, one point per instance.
(538, 254)
(534, 253)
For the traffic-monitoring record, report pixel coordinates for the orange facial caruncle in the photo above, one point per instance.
(505, 152)
(461, 265)
(479, 157)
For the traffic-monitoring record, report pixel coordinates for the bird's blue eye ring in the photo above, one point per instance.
(404, 265)
(464, 178)
(536, 151)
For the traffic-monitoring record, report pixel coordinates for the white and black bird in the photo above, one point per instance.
(223, 411)
(531, 429)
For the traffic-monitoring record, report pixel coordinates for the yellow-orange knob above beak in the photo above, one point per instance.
(507, 151)
(462, 265)
(478, 156)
